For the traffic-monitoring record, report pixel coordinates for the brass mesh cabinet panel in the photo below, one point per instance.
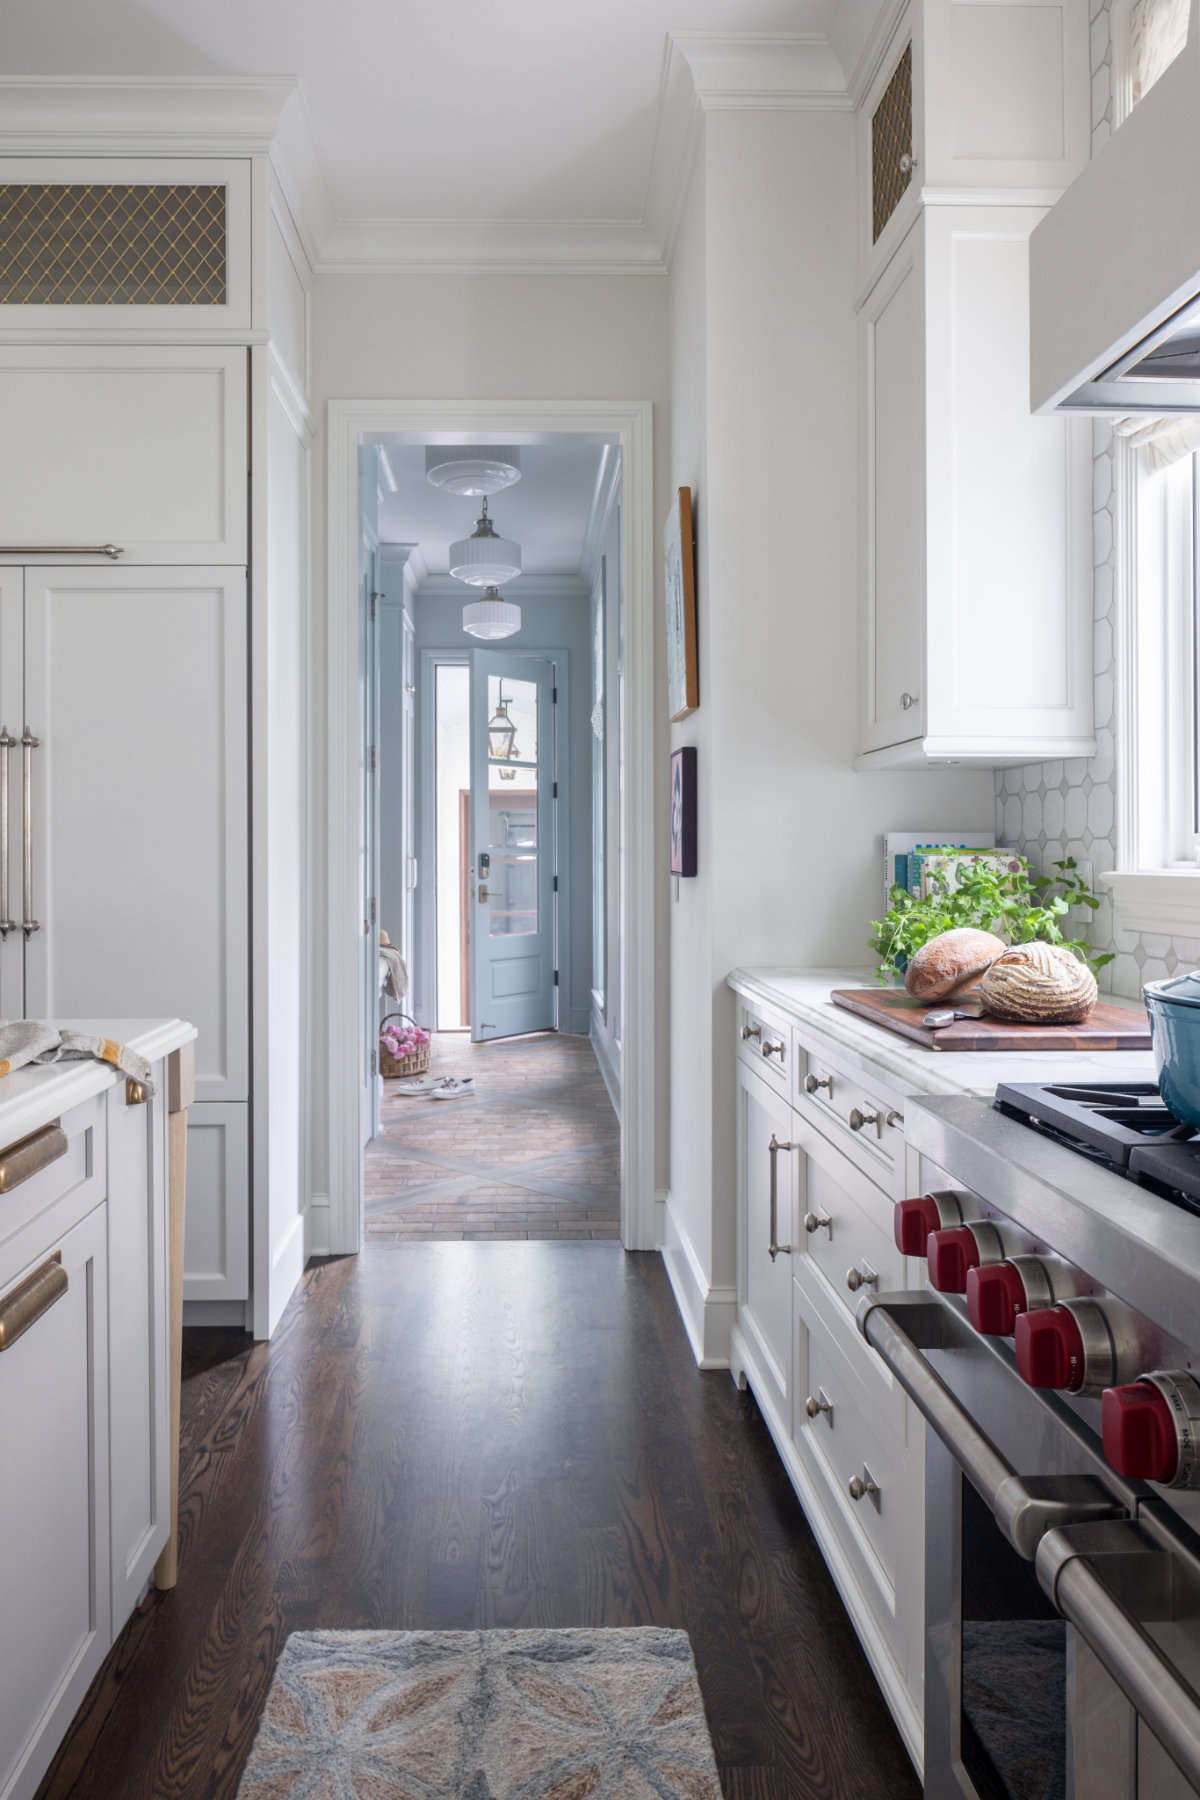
(106, 244)
(891, 145)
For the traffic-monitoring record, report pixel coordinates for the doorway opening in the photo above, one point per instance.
(514, 827)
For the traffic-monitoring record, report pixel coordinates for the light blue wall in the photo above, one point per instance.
(548, 622)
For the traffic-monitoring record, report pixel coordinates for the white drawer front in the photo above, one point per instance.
(70, 1185)
(764, 1041)
(846, 1228)
(866, 1124)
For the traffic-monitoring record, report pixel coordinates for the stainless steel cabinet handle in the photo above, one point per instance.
(775, 1248)
(32, 1297)
(773, 1047)
(861, 1277)
(813, 1082)
(112, 551)
(858, 1485)
(751, 1031)
(31, 1154)
(819, 1403)
(28, 745)
(859, 1119)
(7, 923)
(819, 1221)
(907, 700)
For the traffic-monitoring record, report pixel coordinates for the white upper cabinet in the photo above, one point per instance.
(141, 448)
(976, 641)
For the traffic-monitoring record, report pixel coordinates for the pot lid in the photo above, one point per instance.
(1177, 990)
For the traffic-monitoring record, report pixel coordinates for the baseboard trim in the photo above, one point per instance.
(316, 1226)
(581, 1021)
(606, 1057)
(902, 1705)
(708, 1312)
(225, 1313)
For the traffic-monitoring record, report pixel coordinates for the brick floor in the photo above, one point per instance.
(534, 1153)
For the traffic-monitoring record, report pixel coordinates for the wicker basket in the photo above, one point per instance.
(415, 1063)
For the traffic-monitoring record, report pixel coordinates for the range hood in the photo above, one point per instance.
(1114, 267)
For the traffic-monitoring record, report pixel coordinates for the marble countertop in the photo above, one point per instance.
(33, 1095)
(803, 995)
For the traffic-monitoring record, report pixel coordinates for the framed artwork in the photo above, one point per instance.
(683, 681)
(683, 810)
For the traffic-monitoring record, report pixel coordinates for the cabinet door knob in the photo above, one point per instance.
(907, 700)
(864, 1484)
(813, 1082)
(773, 1047)
(859, 1119)
(818, 1221)
(751, 1031)
(819, 1403)
(908, 163)
(862, 1277)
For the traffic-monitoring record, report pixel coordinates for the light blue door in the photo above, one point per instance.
(512, 924)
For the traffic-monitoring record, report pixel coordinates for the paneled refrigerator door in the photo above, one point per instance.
(12, 708)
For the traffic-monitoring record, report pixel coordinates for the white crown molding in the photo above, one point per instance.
(83, 115)
(862, 33)
(489, 247)
(525, 587)
(300, 173)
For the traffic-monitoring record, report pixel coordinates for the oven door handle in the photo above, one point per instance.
(1153, 1577)
(899, 1327)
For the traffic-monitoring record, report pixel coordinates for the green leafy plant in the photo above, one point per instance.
(1018, 905)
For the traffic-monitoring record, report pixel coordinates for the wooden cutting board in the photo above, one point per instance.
(1109, 1028)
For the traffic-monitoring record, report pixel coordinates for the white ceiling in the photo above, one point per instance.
(547, 511)
(453, 112)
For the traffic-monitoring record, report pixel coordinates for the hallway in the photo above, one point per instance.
(482, 1435)
(533, 1153)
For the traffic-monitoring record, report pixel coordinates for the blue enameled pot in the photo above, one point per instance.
(1174, 1009)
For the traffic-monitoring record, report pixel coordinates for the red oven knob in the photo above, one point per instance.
(913, 1220)
(1139, 1432)
(1050, 1349)
(1152, 1428)
(952, 1253)
(995, 1296)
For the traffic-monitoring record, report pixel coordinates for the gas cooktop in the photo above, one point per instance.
(1123, 1126)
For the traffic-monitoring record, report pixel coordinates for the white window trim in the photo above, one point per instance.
(1156, 887)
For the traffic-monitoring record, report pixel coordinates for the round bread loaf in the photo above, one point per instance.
(947, 963)
(1039, 984)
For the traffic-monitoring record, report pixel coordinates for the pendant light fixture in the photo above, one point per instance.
(491, 617)
(502, 733)
(472, 469)
(485, 558)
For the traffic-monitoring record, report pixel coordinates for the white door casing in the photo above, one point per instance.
(12, 719)
(629, 423)
(512, 922)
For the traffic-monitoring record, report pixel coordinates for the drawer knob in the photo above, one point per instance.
(906, 701)
(819, 1221)
(859, 1119)
(865, 1483)
(813, 1082)
(751, 1031)
(862, 1277)
(773, 1047)
(819, 1403)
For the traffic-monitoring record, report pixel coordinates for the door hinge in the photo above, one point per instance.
(374, 914)
(556, 977)
(555, 878)
(375, 599)
(374, 1062)
(554, 791)
(374, 761)
(554, 696)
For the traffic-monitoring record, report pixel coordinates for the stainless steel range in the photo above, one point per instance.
(1055, 1356)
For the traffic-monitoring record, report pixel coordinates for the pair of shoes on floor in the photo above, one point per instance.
(434, 1088)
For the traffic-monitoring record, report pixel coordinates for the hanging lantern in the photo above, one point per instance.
(502, 734)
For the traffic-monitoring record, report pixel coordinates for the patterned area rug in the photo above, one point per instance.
(483, 1715)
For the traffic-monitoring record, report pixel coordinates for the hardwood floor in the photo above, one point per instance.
(534, 1152)
(482, 1434)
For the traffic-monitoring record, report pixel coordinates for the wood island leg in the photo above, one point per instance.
(181, 1083)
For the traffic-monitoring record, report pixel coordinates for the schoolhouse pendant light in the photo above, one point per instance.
(485, 559)
(491, 617)
(502, 733)
(472, 469)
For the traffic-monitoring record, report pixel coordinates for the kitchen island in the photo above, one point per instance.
(91, 1225)
(822, 1158)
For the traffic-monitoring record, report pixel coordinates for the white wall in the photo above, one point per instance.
(473, 337)
(766, 426)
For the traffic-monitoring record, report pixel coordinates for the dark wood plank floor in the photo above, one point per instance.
(455, 1435)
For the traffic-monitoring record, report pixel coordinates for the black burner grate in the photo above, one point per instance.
(1121, 1125)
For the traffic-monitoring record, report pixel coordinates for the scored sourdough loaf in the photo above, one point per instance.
(1039, 984)
(949, 962)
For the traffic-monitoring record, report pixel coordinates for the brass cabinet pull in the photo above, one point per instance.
(31, 1154)
(775, 1248)
(136, 1092)
(112, 551)
(30, 1299)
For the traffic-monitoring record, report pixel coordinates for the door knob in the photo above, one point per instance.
(907, 700)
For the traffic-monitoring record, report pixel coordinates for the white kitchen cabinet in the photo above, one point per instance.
(54, 1518)
(137, 832)
(143, 448)
(765, 1283)
(977, 593)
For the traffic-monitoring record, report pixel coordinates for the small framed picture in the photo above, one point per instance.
(683, 681)
(683, 810)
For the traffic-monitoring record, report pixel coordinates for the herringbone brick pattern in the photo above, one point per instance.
(534, 1153)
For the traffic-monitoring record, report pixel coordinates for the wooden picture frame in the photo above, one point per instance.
(683, 810)
(683, 680)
